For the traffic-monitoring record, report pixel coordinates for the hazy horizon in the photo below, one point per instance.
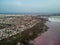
(30, 6)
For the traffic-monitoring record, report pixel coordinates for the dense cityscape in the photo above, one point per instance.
(23, 29)
(12, 25)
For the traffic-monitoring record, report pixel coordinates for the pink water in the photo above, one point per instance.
(51, 37)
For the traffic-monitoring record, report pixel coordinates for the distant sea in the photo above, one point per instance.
(43, 14)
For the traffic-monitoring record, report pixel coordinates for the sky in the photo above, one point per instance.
(29, 6)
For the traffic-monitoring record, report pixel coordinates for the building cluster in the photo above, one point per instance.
(7, 30)
(11, 25)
